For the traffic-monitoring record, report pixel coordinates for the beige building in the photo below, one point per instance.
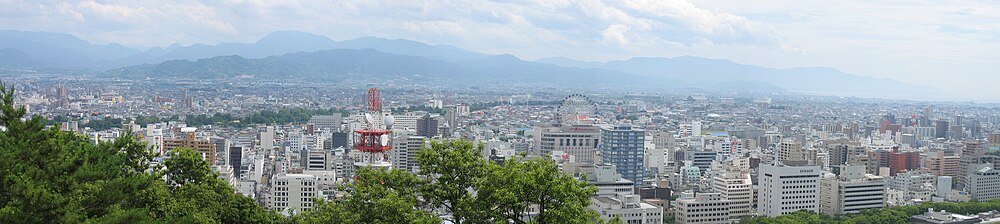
(703, 208)
(738, 189)
(190, 140)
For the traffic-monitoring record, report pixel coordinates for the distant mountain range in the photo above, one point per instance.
(340, 64)
(292, 54)
(694, 70)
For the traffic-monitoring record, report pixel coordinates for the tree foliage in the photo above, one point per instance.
(452, 169)
(454, 179)
(898, 215)
(376, 196)
(508, 191)
(48, 175)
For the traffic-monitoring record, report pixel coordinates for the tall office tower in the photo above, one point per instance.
(737, 187)
(580, 141)
(941, 129)
(655, 159)
(451, 117)
(413, 145)
(427, 126)
(236, 159)
(665, 140)
(791, 152)
(929, 112)
(711, 208)
(941, 165)
(339, 139)
(623, 146)
(405, 146)
(972, 152)
(983, 184)
(326, 122)
(318, 159)
(267, 138)
(191, 141)
(838, 153)
(850, 191)
(993, 139)
(292, 193)
(900, 161)
(786, 189)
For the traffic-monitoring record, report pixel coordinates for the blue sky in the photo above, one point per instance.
(948, 45)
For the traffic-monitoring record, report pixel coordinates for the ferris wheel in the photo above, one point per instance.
(576, 109)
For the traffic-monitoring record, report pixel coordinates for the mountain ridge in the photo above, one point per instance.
(685, 71)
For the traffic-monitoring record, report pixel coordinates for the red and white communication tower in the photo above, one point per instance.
(374, 140)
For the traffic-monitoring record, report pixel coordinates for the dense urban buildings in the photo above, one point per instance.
(727, 158)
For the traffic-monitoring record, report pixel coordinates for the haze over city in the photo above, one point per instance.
(945, 46)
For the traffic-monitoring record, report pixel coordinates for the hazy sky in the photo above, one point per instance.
(949, 45)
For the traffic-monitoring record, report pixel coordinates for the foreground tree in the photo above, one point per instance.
(53, 176)
(375, 196)
(451, 169)
(509, 190)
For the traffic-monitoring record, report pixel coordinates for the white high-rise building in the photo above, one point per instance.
(983, 184)
(406, 121)
(737, 187)
(704, 208)
(786, 189)
(293, 193)
(851, 191)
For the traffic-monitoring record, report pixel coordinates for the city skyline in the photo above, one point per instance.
(947, 51)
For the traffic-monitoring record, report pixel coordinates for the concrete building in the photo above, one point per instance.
(737, 187)
(941, 165)
(427, 126)
(578, 141)
(191, 141)
(609, 182)
(626, 207)
(701, 159)
(326, 122)
(984, 184)
(786, 189)
(703, 208)
(405, 145)
(293, 193)
(790, 152)
(851, 191)
(616, 198)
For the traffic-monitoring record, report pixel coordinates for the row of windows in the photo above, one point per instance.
(797, 202)
(798, 207)
(707, 204)
(798, 181)
(799, 197)
(799, 192)
(723, 214)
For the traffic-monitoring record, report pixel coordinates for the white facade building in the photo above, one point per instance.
(704, 208)
(984, 184)
(738, 189)
(787, 189)
(293, 193)
(851, 191)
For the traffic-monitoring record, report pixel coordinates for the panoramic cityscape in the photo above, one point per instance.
(676, 111)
